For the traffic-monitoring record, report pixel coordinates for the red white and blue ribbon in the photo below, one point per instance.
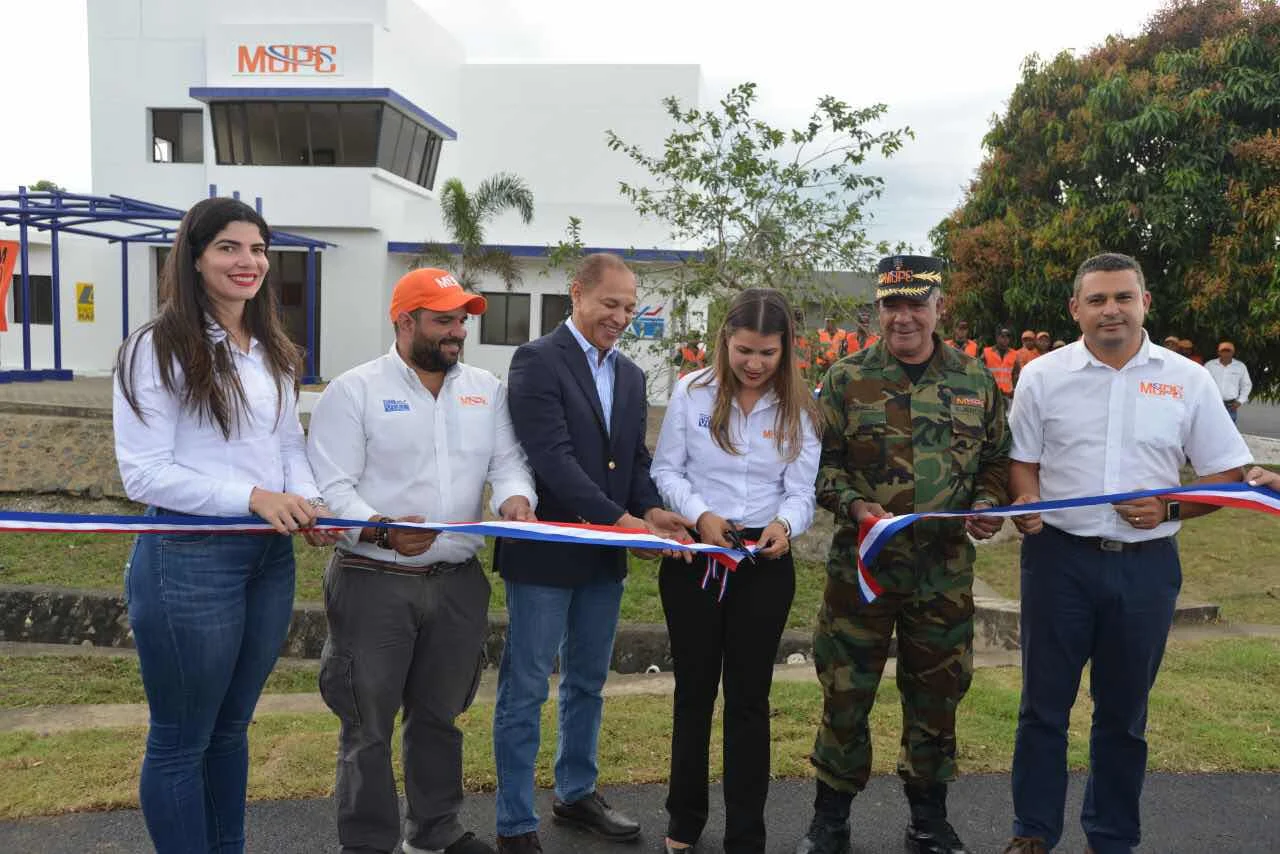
(550, 532)
(874, 533)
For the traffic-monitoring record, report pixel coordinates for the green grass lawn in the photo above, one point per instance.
(1200, 721)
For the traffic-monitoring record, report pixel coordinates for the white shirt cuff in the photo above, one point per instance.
(233, 498)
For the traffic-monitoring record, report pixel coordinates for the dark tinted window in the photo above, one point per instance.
(177, 136)
(506, 321)
(41, 299)
(555, 308)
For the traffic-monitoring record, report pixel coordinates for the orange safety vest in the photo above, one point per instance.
(1025, 355)
(832, 345)
(851, 342)
(693, 360)
(802, 352)
(1001, 369)
(970, 347)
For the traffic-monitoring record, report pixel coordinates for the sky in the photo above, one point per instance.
(943, 67)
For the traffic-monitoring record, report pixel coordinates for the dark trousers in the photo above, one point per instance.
(1082, 604)
(735, 639)
(400, 641)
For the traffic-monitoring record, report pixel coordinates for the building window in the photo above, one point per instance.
(41, 300)
(324, 133)
(177, 136)
(506, 321)
(555, 308)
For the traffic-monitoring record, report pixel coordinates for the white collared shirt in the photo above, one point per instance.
(174, 459)
(1095, 430)
(1233, 379)
(603, 371)
(381, 444)
(753, 488)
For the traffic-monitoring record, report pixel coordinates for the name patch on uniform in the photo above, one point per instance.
(1173, 392)
(473, 400)
(395, 406)
(967, 401)
(704, 420)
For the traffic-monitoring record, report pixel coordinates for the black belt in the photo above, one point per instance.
(1107, 545)
(358, 561)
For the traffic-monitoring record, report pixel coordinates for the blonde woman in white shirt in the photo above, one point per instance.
(738, 451)
(206, 423)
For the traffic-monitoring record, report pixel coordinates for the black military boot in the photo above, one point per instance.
(929, 831)
(829, 830)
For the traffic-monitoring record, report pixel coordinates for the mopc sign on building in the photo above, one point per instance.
(245, 54)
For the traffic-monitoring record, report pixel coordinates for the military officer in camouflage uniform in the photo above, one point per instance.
(911, 425)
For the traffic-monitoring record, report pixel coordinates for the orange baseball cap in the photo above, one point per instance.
(434, 289)
(1028, 333)
(1043, 335)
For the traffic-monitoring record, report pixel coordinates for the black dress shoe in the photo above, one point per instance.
(825, 838)
(593, 813)
(933, 838)
(525, 843)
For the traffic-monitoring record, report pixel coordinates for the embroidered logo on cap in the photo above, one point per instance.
(447, 281)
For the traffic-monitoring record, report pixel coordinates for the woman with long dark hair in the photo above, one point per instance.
(206, 423)
(738, 452)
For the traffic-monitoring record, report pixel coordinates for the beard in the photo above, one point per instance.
(426, 354)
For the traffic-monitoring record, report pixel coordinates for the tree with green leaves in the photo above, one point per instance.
(759, 205)
(44, 185)
(1162, 146)
(466, 215)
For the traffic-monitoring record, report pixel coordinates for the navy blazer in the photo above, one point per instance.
(583, 473)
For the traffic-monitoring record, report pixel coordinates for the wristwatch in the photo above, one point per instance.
(1172, 511)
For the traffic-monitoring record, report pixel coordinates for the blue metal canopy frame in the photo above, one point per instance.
(123, 220)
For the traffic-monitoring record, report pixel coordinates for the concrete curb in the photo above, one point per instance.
(90, 618)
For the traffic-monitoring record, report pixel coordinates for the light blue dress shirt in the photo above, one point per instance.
(602, 371)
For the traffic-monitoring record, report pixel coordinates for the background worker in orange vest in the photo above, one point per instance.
(691, 355)
(1028, 350)
(962, 341)
(862, 337)
(832, 345)
(1001, 361)
(804, 351)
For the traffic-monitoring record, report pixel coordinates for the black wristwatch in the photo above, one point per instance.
(1172, 511)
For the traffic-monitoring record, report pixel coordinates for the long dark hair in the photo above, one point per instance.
(210, 384)
(766, 312)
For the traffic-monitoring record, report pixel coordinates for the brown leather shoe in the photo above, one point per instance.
(1026, 845)
(525, 843)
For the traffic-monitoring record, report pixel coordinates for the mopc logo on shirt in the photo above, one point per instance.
(473, 400)
(395, 406)
(769, 434)
(1173, 392)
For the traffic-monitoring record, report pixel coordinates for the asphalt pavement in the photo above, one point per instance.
(1260, 419)
(1182, 814)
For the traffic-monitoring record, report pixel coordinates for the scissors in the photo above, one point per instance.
(734, 536)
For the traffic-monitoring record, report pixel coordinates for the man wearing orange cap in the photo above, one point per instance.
(413, 435)
(1044, 342)
(1232, 378)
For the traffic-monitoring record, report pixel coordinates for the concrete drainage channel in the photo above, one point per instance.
(36, 614)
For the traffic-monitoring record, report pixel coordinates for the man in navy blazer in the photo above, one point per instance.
(579, 410)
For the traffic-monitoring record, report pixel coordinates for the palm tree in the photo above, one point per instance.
(465, 216)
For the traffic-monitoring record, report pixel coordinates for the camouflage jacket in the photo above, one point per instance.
(941, 444)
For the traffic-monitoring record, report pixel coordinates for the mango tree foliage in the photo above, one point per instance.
(1163, 146)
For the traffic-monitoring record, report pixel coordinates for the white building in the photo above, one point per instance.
(343, 116)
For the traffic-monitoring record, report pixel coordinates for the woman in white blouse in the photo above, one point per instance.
(739, 452)
(205, 416)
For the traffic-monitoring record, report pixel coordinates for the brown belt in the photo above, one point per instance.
(358, 561)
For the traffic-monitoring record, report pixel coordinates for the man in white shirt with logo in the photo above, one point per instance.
(1232, 378)
(412, 435)
(1110, 413)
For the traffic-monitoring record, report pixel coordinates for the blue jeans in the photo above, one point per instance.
(578, 623)
(209, 614)
(1114, 609)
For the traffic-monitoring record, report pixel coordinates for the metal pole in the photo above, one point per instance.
(124, 289)
(57, 303)
(311, 314)
(26, 280)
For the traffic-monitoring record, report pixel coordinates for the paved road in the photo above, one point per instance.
(1260, 419)
(1184, 814)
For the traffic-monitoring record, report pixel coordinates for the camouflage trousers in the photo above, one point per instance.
(934, 622)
